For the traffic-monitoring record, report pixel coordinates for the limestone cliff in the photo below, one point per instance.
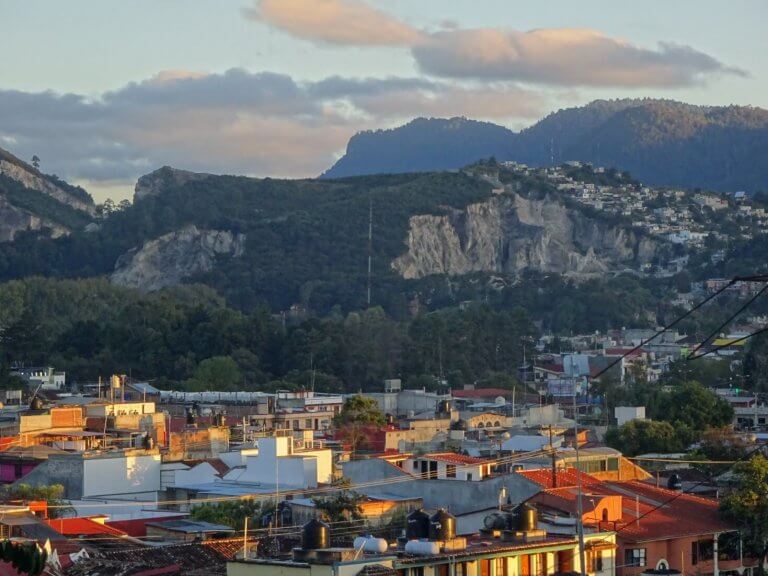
(155, 182)
(171, 258)
(14, 220)
(35, 181)
(510, 233)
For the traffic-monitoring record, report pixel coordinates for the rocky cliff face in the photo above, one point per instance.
(155, 182)
(14, 220)
(34, 181)
(511, 233)
(171, 258)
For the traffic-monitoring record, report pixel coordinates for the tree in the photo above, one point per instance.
(52, 495)
(36, 162)
(342, 506)
(747, 505)
(216, 373)
(697, 408)
(228, 512)
(644, 436)
(719, 444)
(359, 409)
(358, 415)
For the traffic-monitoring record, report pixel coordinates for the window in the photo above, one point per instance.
(469, 476)
(418, 571)
(441, 570)
(460, 569)
(694, 553)
(501, 566)
(308, 423)
(450, 471)
(541, 564)
(605, 514)
(634, 557)
(613, 464)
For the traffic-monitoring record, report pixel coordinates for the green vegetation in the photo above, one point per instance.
(677, 418)
(342, 506)
(52, 495)
(358, 410)
(645, 436)
(660, 141)
(357, 416)
(188, 336)
(232, 513)
(747, 505)
(299, 249)
(41, 204)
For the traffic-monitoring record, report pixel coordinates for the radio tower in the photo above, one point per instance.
(370, 246)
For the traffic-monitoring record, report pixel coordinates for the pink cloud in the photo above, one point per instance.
(563, 56)
(335, 22)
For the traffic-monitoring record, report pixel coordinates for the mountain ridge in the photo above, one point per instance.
(662, 142)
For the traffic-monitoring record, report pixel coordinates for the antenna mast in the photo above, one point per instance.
(370, 246)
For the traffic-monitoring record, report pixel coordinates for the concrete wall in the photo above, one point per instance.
(121, 475)
(63, 469)
(97, 410)
(462, 497)
(200, 474)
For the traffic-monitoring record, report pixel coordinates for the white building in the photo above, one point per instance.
(284, 462)
(626, 414)
(45, 378)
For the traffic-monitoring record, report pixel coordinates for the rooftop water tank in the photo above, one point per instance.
(417, 525)
(527, 518)
(422, 548)
(442, 526)
(315, 535)
(370, 544)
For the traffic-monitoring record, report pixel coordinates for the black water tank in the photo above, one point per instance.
(417, 525)
(527, 518)
(315, 535)
(444, 407)
(36, 403)
(674, 482)
(442, 526)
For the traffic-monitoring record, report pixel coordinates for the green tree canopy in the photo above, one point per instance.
(644, 436)
(216, 373)
(747, 505)
(359, 409)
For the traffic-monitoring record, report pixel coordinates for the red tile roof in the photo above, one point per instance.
(565, 477)
(453, 458)
(679, 514)
(217, 464)
(622, 351)
(551, 368)
(663, 514)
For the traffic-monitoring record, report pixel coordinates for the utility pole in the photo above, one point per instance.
(579, 506)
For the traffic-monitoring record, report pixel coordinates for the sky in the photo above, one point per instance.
(104, 91)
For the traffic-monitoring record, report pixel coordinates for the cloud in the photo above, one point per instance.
(564, 56)
(236, 122)
(555, 56)
(334, 22)
(421, 97)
